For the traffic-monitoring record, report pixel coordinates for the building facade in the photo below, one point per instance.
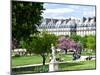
(85, 26)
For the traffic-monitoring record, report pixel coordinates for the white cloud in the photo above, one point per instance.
(59, 10)
(74, 6)
(89, 13)
(56, 16)
(56, 13)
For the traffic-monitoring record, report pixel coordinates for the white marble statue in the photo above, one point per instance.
(53, 65)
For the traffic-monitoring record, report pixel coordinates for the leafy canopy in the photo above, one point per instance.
(26, 16)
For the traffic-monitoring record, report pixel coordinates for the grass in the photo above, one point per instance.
(26, 60)
(70, 66)
(83, 65)
(87, 53)
(35, 59)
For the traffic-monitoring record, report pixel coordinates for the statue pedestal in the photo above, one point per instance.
(53, 65)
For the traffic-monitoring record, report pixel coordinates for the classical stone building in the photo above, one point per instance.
(85, 26)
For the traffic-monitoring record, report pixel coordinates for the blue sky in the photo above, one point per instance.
(63, 11)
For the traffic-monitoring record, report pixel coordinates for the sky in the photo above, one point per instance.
(63, 11)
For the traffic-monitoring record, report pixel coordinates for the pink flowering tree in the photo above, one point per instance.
(65, 43)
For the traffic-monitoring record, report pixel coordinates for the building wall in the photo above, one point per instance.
(69, 26)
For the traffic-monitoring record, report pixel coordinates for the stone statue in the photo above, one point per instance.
(53, 65)
(53, 53)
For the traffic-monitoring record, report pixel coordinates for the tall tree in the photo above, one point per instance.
(41, 44)
(25, 17)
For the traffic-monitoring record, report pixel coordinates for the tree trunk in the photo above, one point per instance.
(30, 53)
(65, 51)
(43, 56)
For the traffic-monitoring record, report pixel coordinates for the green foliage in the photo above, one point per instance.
(76, 37)
(26, 44)
(16, 55)
(83, 41)
(25, 17)
(88, 42)
(40, 43)
(91, 42)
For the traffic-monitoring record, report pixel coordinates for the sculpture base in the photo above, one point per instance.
(53, 66)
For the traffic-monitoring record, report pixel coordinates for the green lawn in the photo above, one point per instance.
(70, 66)
(78, 65)
(87, 53)
(35, 59)
(26, 60)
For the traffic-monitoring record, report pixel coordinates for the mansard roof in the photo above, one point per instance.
(67, 22)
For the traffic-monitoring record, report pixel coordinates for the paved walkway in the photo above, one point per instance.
(83, 58)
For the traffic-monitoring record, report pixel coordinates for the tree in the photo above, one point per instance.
(76, 37)
(41, 44)
(26, 44)
(68, 43)
(91, 42)
(83, 42)
(82, 39)
(64, 43)
(25, 17)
